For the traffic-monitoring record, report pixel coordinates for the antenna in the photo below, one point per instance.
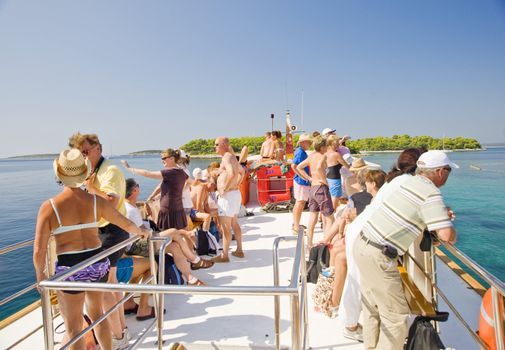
(301, 122)
(286, 91)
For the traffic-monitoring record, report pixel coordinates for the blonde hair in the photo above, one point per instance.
(319, 142)
(77, 140)
(332, 140)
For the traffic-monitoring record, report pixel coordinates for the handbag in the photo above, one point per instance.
(322, 293)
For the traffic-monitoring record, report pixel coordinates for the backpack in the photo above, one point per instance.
(206, 243)
(213, 229)
(172, 274)
(319, 258)
(422, 334)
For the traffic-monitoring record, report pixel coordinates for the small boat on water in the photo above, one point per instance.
(475, 167)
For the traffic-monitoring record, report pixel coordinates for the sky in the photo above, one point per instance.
(155, 74)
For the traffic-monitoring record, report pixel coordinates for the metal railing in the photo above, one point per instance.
(298, 295)
(496, 285)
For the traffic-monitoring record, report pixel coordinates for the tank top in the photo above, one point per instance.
(334, 172)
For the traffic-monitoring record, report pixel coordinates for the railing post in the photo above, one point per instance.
(295, 322)
(303, 270)
(47, 318)
(161, 296)
(277, 307)
(497, 299)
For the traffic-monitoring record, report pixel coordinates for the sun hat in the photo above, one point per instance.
(205, 175)
(327, 131)
(71, 168)
(197, 173)
(304, 137)
(435, 159)
(358, 164)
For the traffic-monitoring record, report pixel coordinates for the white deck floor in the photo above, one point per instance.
(231, 322)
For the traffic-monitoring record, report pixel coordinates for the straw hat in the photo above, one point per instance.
(358, 164)
(71, 168)
(304, 137)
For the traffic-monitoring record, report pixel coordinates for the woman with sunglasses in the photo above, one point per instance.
(171, 215)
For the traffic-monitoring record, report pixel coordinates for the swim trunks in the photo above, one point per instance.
(320, 200)
(229, 203)
(124, 270)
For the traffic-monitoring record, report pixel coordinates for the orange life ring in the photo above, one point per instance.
(486, 321)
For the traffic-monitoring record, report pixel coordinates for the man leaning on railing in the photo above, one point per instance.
(401, 217)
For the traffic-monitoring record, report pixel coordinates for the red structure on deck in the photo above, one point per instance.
(274, 186)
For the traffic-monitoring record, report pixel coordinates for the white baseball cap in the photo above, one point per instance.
(327, 131)
(197, 173)
(435, 159)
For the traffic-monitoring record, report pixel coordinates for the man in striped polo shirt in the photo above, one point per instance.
(392, 228)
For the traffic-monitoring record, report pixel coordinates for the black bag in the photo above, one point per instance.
(319, 258)
(172, 274)
(206, 243)
(425, 244)
(422, 334)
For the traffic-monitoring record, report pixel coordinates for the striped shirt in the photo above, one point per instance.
(405, 213)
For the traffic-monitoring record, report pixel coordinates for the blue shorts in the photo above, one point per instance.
(124, 270)
(335, 187)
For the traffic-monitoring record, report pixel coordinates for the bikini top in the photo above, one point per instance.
(63, 229)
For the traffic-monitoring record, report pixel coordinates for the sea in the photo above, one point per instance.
(475, 191)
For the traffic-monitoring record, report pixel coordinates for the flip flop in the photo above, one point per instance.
(151, 315)
(238, 254)
(198, 283)
(202, 264)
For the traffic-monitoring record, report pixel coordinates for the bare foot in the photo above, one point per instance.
(238, 253)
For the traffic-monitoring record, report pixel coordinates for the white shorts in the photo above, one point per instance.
(301, 192)
(229, 203)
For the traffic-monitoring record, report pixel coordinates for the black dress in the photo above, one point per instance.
(171, 209)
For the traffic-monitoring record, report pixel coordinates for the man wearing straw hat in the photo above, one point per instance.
(396, 223)
(301, 187)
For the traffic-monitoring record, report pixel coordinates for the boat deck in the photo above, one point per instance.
(247, 322)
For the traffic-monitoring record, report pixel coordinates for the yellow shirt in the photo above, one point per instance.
(110, 180)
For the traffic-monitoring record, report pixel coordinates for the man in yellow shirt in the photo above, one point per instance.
(107, 181)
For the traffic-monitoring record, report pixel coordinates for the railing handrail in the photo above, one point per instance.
(490, 279)
(16, 246)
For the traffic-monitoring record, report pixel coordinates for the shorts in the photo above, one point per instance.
(335, 187)
(192, 214)
(229, 203)
(320, 200)
(96, 272)
(140, 248)
(110, 235)
(124, 270)
(301, 192)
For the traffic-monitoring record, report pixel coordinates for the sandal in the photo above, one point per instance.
(198, 283)
(220, 259)
(238, 254)
(202, 264)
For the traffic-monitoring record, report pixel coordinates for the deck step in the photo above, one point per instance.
(214, 346)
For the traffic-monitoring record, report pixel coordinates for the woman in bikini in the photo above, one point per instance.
(72, 218)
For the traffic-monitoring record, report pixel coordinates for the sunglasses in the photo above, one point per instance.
(216, 145)
(85, 152)
(164, 158)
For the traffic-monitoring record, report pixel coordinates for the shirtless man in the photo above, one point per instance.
(200, 197)
(267, 147)
(319, 195)
(230, 175)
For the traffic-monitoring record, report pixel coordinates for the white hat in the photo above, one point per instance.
(327, 131)
(435, 159)
(197, 173)
(71, 168)
(205, 175)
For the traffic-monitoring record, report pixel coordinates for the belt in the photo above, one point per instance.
(368, 241)
(387, 250)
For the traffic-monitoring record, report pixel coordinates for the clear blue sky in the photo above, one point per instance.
(156, 74)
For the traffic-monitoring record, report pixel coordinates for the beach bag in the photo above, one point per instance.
(206, 243)
(319, 258)
(172, 274)
(323, 291)
(422, 334)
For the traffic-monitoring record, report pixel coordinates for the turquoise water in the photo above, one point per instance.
(477, 197)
